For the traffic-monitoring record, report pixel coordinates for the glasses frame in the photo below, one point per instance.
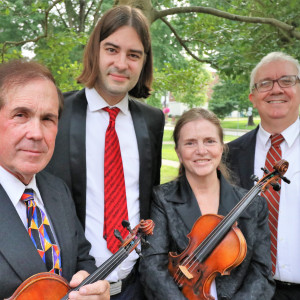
(297, 79)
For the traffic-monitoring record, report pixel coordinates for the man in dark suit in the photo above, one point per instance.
(117, 66)
(275, 92)
(29, 109)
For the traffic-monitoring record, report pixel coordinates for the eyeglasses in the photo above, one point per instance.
(283, 82)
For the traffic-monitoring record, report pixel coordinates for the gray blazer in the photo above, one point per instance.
(69, 159)
(174, 211)
(19, 258)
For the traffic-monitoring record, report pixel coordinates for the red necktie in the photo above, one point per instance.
(41, 234)
(115, 204)
(273, 196)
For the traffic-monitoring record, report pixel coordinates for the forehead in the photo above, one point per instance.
(35, 93)
(275, 69)
(125, 37)
(199, 128)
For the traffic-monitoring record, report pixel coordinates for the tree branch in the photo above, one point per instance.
(6, 43)
(225, 15)
(181, 42)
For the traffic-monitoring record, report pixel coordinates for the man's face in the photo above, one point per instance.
(28, 127)
(121, 60)
(280, 104)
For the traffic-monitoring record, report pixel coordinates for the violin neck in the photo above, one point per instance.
(104, 270)
(219, 232)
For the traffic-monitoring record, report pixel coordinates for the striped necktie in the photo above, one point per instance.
(115, 204)
(41, 234)
(272, 196)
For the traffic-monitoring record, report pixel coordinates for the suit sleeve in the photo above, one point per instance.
(158, 283)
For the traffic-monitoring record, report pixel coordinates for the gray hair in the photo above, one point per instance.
(273, 56)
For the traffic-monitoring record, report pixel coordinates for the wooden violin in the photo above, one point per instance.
(216, 244)
(48, 286)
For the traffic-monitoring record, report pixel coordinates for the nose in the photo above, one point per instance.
(121, 61)
(276, 88)
(35, 131)
(201, 149)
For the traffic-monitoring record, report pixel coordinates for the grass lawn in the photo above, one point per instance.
(241, 123)
(168, 173)
(168, 152)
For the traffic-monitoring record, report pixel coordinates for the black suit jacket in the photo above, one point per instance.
(240, 158)
(69, 159)
(174, 211)
(19, 258)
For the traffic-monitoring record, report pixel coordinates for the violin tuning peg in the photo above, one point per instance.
(117, 234)
(265, 170)
(126, 224)
(138, 251)
(145, 244)
(254, 177)
(285, 179)
(276, 186)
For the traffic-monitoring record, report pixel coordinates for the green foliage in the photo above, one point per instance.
(228, 96)
(167, 174)
(188, 85)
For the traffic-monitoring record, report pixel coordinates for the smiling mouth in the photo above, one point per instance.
(276, 101)
(202, 160)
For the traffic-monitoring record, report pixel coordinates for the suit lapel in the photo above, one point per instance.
(187, 206)
(16, 245)
(144, 148)
(246, 159)
(53, 201)
(78, 150)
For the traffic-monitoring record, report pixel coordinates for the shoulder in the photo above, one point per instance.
(243, 139)
(51, 181)
(145, 108)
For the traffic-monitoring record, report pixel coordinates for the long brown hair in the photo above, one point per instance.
(111, 21)
(198, 114)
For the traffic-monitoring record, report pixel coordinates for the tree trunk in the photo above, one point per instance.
(250, 121)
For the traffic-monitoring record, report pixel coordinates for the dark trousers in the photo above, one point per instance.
(286, 292)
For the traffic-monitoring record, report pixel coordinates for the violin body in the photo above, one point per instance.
(194, 277)
(42, 286)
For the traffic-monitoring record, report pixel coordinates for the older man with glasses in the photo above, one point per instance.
(275, 93)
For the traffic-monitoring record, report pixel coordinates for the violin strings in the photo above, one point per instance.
(206, 243)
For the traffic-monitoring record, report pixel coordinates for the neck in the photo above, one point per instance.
(276, 126)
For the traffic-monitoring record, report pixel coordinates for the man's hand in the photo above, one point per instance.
(95, 291)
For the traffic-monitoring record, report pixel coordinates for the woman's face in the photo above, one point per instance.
(199, 148)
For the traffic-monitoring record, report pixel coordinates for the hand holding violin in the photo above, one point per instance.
(98, 290)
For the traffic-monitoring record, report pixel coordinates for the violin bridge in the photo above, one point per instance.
(186, 273)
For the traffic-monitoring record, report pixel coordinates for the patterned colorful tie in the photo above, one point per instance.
(41, 235)
(273, 196)
(115, 204)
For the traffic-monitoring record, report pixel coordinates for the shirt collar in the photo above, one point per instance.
(15, 188)
(96, 102)
(290, 134)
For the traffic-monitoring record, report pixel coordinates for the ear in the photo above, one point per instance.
(252, 99)
(178, 154)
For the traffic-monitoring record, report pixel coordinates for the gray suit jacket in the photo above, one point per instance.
(69, 159)
(19, 258)
(175, 210)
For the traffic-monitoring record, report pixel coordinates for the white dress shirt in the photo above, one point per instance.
(288, 240)
(97, 121)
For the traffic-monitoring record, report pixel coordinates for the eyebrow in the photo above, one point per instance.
(118, 47)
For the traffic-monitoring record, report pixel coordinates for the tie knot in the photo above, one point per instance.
(113, 112)
(276, 140)
(27, 195)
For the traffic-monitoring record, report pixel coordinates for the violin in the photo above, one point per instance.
(216, 244)
(48, 286)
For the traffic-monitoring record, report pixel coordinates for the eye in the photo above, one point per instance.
(134, 56)
(110, 50)
(265, 83)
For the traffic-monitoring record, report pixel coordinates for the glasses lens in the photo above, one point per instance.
(264, 86)
(287, 81)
